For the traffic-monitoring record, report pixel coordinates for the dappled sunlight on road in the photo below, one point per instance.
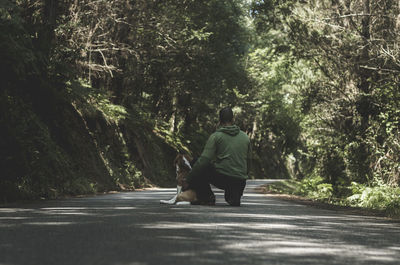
(133, 228)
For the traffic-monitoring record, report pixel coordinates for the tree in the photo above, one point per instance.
(350, 47)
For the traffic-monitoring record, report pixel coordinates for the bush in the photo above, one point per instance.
(315, 188)
(379, 196)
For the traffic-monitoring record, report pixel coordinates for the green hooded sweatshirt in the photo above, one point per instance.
(228, 149)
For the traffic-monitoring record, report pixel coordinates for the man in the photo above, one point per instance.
(224, 162)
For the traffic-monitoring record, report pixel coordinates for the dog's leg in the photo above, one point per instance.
(178, 200)
(173, 199)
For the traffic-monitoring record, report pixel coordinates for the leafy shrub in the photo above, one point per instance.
(315, 188)
(79, 186)
(380, 196)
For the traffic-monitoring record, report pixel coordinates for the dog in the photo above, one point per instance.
(183, 194)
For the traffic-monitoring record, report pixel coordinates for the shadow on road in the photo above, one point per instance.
(133, 228)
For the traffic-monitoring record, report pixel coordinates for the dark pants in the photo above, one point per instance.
(233, 187)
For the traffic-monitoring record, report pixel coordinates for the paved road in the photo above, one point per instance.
(134, 229)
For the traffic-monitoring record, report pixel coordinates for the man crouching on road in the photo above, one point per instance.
(224, 162)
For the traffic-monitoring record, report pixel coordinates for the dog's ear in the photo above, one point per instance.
(185, 162)
(181, 161)
(177, 159)
(188, 157)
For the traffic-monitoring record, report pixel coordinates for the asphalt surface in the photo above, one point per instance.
(134, 229)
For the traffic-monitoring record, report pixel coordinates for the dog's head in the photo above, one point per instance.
(182, 163)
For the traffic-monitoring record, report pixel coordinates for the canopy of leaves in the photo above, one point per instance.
(314, 83)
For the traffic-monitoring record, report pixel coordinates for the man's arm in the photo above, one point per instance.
(198, 167)
(204, 160)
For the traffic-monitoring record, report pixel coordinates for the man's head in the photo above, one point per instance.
(225, 116)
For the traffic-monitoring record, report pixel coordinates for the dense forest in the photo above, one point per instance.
(100, 95)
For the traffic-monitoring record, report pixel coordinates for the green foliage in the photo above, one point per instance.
(173, 139)
(81, 90)
(111, 111)
(378, 196)
(269, 109)
(35, 164)
(133, 176)
(286, 186)
(98, 94)
(314, 188)
(104, 120)
(78, 186)
(345, 101)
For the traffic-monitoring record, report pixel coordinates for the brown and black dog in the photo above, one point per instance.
(183, 167)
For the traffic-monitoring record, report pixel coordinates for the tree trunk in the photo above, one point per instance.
(365, 74)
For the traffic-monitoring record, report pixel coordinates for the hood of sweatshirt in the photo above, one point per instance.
(231, 130)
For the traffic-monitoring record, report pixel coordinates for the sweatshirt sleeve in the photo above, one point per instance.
(204, 160)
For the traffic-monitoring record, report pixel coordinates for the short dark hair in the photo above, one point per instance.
(225, 115)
